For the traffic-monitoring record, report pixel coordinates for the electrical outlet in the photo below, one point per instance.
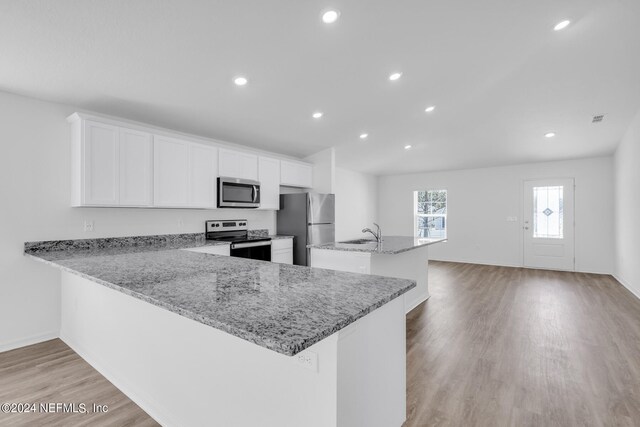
(88, 226)
(308, 359)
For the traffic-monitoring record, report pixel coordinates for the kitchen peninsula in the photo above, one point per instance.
(201, 339)
(394, 256)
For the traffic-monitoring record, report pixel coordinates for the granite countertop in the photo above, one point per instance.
(65, 249)
(280, 236)
(285, 308)
(389, 245)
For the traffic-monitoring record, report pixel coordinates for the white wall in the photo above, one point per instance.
(356, 203)
(627, 183)
(35, 194)
(324, 166)
(480, 200)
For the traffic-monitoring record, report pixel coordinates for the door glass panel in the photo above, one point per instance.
(548, 212)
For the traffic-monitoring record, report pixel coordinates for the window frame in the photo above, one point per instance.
(417, 215)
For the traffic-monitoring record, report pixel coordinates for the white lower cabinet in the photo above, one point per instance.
(213, 250)
(282, 251)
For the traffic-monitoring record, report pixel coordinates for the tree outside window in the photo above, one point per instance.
(430, 213)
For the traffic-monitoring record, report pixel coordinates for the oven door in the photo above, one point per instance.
(238, 193)
(252, 250)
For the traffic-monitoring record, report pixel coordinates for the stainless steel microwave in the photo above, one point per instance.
(238, 193)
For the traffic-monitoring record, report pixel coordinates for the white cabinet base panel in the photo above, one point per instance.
(184, 373)
(413, 265)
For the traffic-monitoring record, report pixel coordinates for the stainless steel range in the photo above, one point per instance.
(236, 232)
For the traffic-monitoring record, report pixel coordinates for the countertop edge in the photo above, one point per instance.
(355, 248)
(287, 350)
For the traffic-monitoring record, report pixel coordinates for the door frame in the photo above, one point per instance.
(522, 213)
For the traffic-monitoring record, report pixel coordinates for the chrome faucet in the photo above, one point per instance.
(377, 234)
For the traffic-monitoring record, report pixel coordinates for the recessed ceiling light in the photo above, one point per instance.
(395, 76)
(549, 134)
(562, 25)
(317, 115)
(407, 147)
(240, 81)
(430, 109)
(364, 135)
(330, 16)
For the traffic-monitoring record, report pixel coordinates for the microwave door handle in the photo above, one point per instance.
(255, 193)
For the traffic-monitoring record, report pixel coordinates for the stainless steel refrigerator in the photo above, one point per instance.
(310, 218)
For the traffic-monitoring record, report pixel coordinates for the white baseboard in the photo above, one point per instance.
(476, 262)
(151, 408)
(23, 342)
(626, 285)
(515, 266)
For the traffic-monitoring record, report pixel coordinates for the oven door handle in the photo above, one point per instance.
(249, 245)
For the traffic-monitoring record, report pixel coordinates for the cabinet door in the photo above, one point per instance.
(100, 170)
(249, 166)
(136, 168)
(305, 176)
(282, 256)
(295, 174)
(203, 169)
(236, 164)
(171, 172)
(269, 177)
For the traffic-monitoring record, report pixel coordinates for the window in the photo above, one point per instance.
(430, 213)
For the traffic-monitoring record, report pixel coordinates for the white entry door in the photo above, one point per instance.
(548, 224)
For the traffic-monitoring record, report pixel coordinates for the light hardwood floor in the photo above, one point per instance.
(493, 346)
(497, 346)
(51, 372)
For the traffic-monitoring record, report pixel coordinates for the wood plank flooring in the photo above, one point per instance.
(497, 346)
(493, 346)
(51, 372)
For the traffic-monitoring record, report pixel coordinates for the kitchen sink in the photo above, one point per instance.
(358, 241)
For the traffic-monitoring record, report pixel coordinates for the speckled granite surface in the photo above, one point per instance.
(260, 232)
(64, 249)
(265, 233)
(389, 245)
(282, 307)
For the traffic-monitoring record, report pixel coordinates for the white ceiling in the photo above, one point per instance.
(500, 76)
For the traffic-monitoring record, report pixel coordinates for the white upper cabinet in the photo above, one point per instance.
(203, 167)
(120, 163)
(295, 174)
(136, 168)
(100, 174)
(111, 165)
(185, 174)
(269, 177)
(171, 172)
(237, 164)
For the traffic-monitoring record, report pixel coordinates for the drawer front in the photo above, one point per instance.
(277, 244)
